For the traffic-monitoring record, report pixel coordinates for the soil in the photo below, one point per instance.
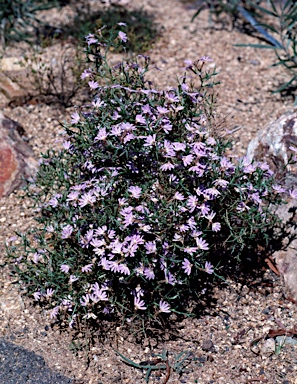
(228, 341)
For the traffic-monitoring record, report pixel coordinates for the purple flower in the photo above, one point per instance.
(146, 109)
(105, 264)
(85, 300)
(102, 135)
(93, 84)
(293, 193)
(221, 183)
(170, 278)
(87, 238)
(164, 307)
(149, 273)
(37, 295)
(168, 148)
(150, 140)
(87, 198)
(127, 127)
(65, 268)
(122, 36)
(53, 202)
(66, 231)
(162, 110)
(216, 227)
(135, 191)
(278, 189)
(204, 209)
(72, 279)
(178, 196)
(205, 59)
(140, 119)
(202, 244)
(49, 292)
(190, 250)
(91, 39)
(121, 24)
(99, 294)
(167, 167)
(87, 268)
(150, 247)
(186, 265)
(187, 160)
(139, 304)
(86, 73)
(54, 312)
(179, 146)
(97, 103)
(128, 219)
(74, 118)
(209, 268)
(124, 269)
(72, 321)
(192, 203)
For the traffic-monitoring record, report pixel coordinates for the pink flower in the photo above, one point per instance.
(66, 231)
(87, 268)
(209, 268)
(87, 198)
(140, 119)
(192, 203)
(122, 36)
(124, 269)
(72, 279)
(49, 292)
(206, 59)
(162, 110)
(149, 273)
(150, 247)
(74, 118)
(85, 300)
(93, 84)
(37, 295)
(186, 265)
(99, 294)
(202, 244)
(135, 191)
(216, 227)
(278, 189)
(54, 312)
(150, 140)
(293, 193)
(179, 146)
(139, 304)
(167, 167)
(178, 196)
(102, 135)
(164, 307)
(190, 250)
(187, 160)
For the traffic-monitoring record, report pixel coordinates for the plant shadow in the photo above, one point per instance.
(142, 31)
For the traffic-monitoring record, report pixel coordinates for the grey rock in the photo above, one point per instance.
(272, 144)
(20, 366)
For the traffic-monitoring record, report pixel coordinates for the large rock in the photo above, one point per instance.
(16, 157)
(286, 258)
(273, 143)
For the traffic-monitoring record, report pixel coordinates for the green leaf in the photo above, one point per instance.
(256, 46)
(283, 87)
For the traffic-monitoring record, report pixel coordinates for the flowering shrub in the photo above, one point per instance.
(139, 197)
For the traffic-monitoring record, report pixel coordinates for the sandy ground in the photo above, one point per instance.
(222, 340)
